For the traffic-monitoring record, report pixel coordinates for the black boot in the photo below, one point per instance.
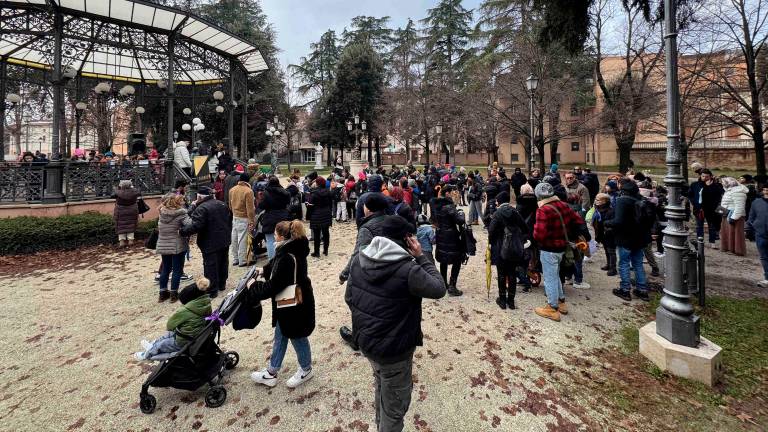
(501, 300)
(511, 298)
(612, 265)
(452, 290)
(346, 336)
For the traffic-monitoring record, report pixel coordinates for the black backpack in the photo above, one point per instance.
(468, 240)
(645, 213)
(512, 249)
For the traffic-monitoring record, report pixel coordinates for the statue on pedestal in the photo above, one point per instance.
(318, 156)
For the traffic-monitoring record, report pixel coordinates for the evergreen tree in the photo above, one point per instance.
(402, 117)
(317, 71)
(369, 30)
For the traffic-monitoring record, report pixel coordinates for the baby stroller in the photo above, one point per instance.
(201, 361)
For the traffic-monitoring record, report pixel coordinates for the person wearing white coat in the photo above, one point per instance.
(181, 157)
(734, 205)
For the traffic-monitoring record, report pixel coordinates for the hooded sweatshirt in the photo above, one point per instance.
(384, 294)
(189, 320)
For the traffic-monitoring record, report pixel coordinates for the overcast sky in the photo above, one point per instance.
(301, 22)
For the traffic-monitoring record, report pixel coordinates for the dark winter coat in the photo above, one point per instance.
(295, 321)
(625, 229)
(448, 244)
(322, 205)
(384, 295)
(371, 227)
(603, 234)
(518, 179)
(226, 163)
(296, 211)
(212, 222)
(526, 206)
(505, 216)
(591, 182)
(275, 207)
(169, 241)
(126, 213)
(757, 223)
(710, 196)
(229, 182)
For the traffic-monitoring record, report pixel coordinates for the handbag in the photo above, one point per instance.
(143, 207)
(151, 242)
(291, 295)
(569, 256)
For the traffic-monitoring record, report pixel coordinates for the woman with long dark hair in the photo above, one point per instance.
(450, 250)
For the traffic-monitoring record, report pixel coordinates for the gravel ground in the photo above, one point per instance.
(69, 333)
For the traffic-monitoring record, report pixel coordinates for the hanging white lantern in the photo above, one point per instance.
(102, 87)
(127, 90)
(186, 127)
(81, 106)
(234, 104)
(186, 111)
(219, 109)
(218, 95)
(196, 120)
(140, 110)
(14, 98)
(201, 127)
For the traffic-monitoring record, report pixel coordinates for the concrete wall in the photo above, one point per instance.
(72, 208)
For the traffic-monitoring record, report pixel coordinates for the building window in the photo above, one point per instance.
(309, 155)
(587, 157)
(515, 157)
(559, 156)
(574, 146)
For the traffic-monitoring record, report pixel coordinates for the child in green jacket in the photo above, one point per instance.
(186, 323)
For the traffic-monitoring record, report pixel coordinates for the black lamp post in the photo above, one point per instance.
(532, 83)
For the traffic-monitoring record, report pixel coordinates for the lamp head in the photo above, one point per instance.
(532, 83)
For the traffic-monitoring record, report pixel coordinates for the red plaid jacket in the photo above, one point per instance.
(548, 231)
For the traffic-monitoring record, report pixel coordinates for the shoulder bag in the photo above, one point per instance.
(569, 256)
(291, 295)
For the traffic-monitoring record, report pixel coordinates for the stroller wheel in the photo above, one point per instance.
(231, 360)
(147, 403)
(215, 397)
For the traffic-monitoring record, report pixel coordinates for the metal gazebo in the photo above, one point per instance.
(130, 41)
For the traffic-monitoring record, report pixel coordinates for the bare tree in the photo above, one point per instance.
(739, 40)
(626, 84)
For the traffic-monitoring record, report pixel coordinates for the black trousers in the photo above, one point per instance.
(326, 238)
(507, 280)
(455, 269)
(351, 210)
(216, 269)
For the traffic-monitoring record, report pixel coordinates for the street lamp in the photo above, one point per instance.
(532, 83)
(355, 127)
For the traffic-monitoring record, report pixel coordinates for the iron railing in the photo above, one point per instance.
(82, 181)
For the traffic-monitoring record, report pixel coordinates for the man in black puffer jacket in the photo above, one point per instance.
(375, 183)
(275, 207)
(387, 281)
(212, 223)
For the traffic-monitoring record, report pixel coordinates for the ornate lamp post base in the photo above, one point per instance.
(678, 329)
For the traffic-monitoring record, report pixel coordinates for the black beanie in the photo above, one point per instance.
(244, 177)
(502, 198)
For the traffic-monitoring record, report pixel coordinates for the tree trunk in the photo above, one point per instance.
(757, 127)
(625, 151)
(378, 152)
(426, 143)
(407, 151)
(370, 153)
(554, 123)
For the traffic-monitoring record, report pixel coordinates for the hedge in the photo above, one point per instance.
(26, 234)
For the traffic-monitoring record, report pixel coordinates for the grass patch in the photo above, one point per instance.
(740, 327)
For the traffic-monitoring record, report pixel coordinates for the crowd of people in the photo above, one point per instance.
(413, 239)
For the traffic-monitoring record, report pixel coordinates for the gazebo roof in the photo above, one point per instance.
(122, 40)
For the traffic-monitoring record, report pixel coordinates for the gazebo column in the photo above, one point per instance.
(3, 72)
(244, 124)
(55, 169)
(231, 116)
(170, 178)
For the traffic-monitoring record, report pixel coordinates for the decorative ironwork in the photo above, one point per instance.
(21, 183)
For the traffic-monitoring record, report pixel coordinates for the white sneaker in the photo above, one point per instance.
(140, 356)
(146, 344)
(264, 377)
(587, 259)
(582, 285)
(763, 284)
(300, 377)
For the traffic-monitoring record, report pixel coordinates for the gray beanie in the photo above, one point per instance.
(543, 191)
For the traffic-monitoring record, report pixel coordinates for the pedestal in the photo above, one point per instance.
(54, 179)
(702, 364)
(355, 166)
(318, 157)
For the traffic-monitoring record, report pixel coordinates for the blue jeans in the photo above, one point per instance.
(163, 345)
(280, 344)
(270, 240)
(762, 249)
(578, 271)
(550, 266)
(635, 257)
(175, 264)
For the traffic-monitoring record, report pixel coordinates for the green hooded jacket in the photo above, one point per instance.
(189, 320)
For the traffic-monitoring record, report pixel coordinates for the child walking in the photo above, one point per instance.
(425, 234)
